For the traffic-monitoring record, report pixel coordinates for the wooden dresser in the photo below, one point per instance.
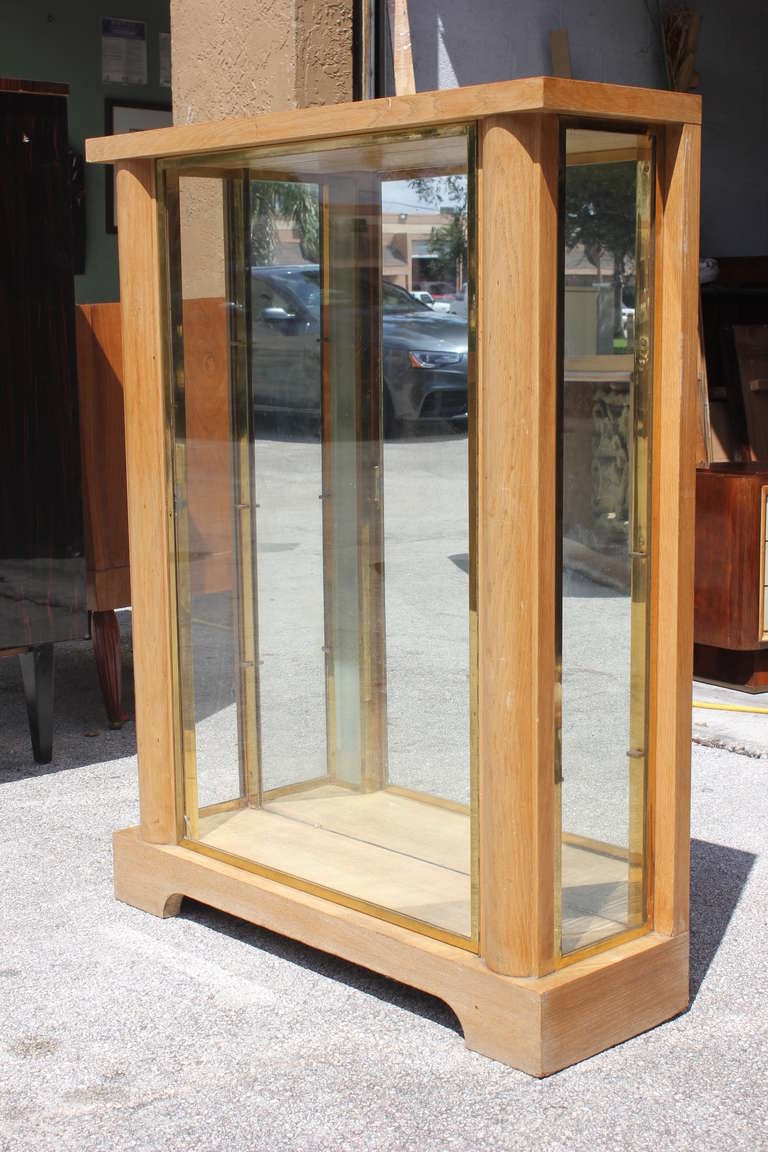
(731, 595)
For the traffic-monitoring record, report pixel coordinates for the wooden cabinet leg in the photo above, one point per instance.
(37, 674)
(106, 648)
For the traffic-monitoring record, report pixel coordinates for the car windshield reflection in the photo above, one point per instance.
(423, 354)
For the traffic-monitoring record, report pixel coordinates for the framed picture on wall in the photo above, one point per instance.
(129, 116)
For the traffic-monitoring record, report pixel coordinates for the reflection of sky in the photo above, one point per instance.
(398, 196)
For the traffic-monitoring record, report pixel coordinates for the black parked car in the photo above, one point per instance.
(424, 352)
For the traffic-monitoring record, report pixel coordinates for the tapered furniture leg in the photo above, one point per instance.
(37, 674)
(106, 648)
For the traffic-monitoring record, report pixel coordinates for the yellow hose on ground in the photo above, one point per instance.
(728, 707)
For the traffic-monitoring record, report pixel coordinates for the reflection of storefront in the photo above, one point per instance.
(409, 256)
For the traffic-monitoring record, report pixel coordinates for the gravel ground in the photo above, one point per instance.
(122, 1031)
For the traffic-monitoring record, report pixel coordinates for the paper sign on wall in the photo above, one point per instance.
(165, 59)
(123, 51)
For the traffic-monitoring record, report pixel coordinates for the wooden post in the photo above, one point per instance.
(402, 56)
(517, 342)
(673, 524)
(149, 488)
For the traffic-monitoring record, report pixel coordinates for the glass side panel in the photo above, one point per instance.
(604, 525)
(203, 465)
(325, 554)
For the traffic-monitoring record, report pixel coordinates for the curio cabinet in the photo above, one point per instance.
(412, 581)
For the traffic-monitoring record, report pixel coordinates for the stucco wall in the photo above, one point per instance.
(236, 59)
(323, 52)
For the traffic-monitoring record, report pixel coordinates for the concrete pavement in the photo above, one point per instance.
(121, 1031)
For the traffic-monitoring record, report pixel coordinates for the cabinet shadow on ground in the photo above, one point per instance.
(718, 878)
(324, 964)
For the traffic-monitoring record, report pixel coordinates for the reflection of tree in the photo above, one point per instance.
(600, 215)
(273, 201)
(447, 241)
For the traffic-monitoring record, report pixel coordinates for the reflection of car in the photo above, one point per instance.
(424, 353)
(459, 306)
(428, 299)
(440, 290)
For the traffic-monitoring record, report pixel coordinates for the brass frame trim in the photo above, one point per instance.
(599, 847)
(640, 466)
(236, 198)
(378, 911)
(169, 243)
(300, 786)
(473, 517)
(240, 158)
(428, 798)
(641, 478)
(236, 804)
(607, 944)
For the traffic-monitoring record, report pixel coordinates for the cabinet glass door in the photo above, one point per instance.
(322, 430)
(604, 561)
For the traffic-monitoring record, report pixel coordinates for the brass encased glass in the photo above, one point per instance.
(603, 541)
(325, 520)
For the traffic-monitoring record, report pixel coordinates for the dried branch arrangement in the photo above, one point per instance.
(680, 35)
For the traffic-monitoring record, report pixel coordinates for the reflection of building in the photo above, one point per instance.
(409, 258)
(595, 312)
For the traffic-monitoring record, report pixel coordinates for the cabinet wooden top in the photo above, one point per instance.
(578, 98)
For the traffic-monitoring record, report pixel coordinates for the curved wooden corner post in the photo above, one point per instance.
(149, 513)
(673, 523)
(517, 344)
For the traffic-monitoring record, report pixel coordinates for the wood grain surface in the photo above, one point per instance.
(424, 109)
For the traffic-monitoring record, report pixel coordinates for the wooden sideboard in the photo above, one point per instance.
(731, 638)
(102, 435)
(100, 372)
(730, 629)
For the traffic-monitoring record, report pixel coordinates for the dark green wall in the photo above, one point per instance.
(61, 41)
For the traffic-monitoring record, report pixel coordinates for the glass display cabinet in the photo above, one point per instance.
(413, 588)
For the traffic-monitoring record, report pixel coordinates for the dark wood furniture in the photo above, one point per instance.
(102, 433)
(730, 638)
(100, 375)
(42, 565)
(731, 635)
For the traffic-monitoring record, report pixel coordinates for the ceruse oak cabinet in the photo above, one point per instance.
(434, 713)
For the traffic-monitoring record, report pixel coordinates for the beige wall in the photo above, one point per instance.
(323, 52)
(240, 58)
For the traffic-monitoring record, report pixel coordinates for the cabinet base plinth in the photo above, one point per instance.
(537, 1025)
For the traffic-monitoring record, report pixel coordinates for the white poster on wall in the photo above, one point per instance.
(165, 59)
(123, 51)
